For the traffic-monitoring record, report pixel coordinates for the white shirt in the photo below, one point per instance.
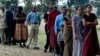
(2, 20)
(60, 36)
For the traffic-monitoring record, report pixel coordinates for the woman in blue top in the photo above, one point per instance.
(77, 30)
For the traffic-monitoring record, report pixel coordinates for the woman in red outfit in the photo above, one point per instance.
(90, 46)
(51, 21)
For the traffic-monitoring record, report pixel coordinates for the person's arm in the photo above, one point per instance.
(65, 27)
(95, 22)
(28, 19)
(49, 21)
(84, 21)
(90, 24)
(39, 19)
(56, 25)
(6, 17)
(45, 17)
(73, 28)
(64, 31)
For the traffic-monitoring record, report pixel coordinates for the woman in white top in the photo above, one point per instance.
(2, 25)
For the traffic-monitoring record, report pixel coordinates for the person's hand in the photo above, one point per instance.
(47, 31)
(65, 42)
(75, 37)
(25, 23)
(89, 23)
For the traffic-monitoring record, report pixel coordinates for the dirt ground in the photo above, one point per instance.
(16, 51)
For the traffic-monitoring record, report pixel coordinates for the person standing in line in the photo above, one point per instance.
(58, 22)
(10, 20)
(34, 20)
(47, 45)
(3, 25)
(91, 45)
(77, 27)
(21, 32)
(60, 40)
(68, 38)
(51, 21)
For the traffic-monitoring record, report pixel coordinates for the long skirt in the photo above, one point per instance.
(21, 32)
(68, 46)
(90, 46)
(52, 38)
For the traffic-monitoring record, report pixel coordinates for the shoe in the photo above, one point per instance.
(50, 51)
(3, 43)
(13, 43)
(27, 47)
(57, 55)
(37, 48)
(24, 45)
(9, 44)
(45, 50)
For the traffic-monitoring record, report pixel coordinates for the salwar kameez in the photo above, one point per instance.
(78, 42)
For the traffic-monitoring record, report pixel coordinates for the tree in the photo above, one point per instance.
(28, 6)
(51, 2)
(77, 2)
(2, 1)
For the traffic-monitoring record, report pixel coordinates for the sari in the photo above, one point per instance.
(90, 45)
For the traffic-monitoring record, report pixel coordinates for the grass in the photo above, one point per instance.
(42, 35)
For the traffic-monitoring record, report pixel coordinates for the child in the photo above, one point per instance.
(60, 40)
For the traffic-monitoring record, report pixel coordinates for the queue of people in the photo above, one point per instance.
(72, 35)
(67, 34)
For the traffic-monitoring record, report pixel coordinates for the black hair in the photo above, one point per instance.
(66, 11)
(50, 8)
(64, 7)
(88, 5)
(79, 7)
(55, 7)
(3, 8)
(20, 8)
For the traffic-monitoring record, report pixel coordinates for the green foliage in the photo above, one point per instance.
(48, 2)
(2, 1)
(28, 6)
(96, 3)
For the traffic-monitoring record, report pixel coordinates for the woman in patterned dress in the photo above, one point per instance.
(68, 34)
(21, 33)
(77, 32)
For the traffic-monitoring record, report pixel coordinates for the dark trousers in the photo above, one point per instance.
(10, 31)
(60, 48)
(47, 45)
(9, 35)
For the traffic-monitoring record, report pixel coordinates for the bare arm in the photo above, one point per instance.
(73, 28)
(65, 41)
(95, 22)
(64, 27)
(90, 24)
